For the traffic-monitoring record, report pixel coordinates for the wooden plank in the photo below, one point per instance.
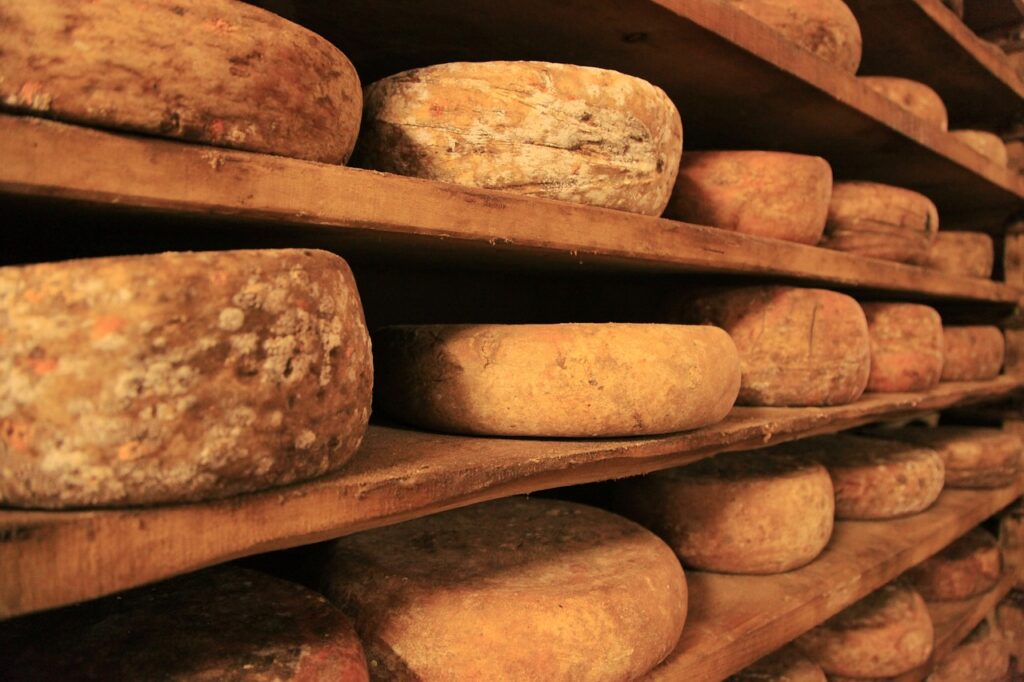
(984, 16)
(355, 211)
(735, 620)
(55, 558)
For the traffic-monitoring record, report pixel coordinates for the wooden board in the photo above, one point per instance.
(55, 558)
(735, 620)
(984, 16)
(278, 201)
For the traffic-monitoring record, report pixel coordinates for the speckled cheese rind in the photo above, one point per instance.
(906, 347)
(517, 589)
(558, 379)
(769, 194)
(785, 665)
(974, 457)
(874, 478)
(797, 347)
(179, 376)
(982, 657)
(1010, 619)
(575, 133)
(966, 254)
(972, 353)
(826, 28)
(225, 623)
(887, 633)
(880, 221)
(987, 144)
(967, 567)
(217, 72)
(915, 97)
(749, 512)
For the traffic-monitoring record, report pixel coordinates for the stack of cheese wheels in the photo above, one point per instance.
(574, 133)
(875, 478)
(826, 28)
(966, 254)
(785, 665)
(972, 353)
(982, 656)
(1010, 619)
(744, 512)
(967, 567)
(556, 380)
(915, 97)
(797, 347)
(518, 589)
(769, 194)
(180, 376)
(212, 71)
(974, 456)
(881, 221)
(987, 144)
(221, 623)
(906, 347)
(887, 633)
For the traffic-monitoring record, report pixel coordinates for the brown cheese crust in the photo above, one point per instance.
(747, 512)
(906, 347)
(987, 144)
(224, 623)
(965, 254)
(972, 353)
(1010, 619)
(969, 566)
(556, 379)
(179, 376)
(785, 665)
(1011, 542)
(982, 657)
(212, 71)
(575, 133)
(974, 457)
(915, 97)
(881, 221)
(517, 589)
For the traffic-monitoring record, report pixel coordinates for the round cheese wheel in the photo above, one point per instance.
(887, 633)
(966, 254)
(518, 589)
(218, 72)
(224, 623)
(797, 347)
(906, 347)
(179, 376)
(785, 665)
(917, 98)
(556, 380)
(1015, 153)
(972, 353)
(769, 194)
(1011, 542)
(975, 457)
(743, 512)
(880, 221)
(574, 133)
(967, 567)
(987, 144)
(826, 28)
(1010, 619)
(875, 478)
(982, 657)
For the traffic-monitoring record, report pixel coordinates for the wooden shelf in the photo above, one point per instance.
(269, 199)
(56, 558)
(991, 15)
(735, 620)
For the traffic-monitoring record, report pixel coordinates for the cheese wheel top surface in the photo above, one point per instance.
(179, 376)
(880, 221)
(987, 144)
(212, 71)
(574, 133)
(972, 353)
(513, 589)
(974, 457)
(914, 96)
(906, 347)
(981, 657)
(785, 665)
(967, 567)
(966, 254)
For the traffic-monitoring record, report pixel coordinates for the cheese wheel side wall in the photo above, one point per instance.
(972, 353)
(967, 567)
(965, 254)
(917, 98)
(880, 221)
(906, 347)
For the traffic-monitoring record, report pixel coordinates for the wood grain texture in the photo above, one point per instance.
(57, 558)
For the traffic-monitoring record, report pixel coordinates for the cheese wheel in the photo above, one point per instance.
(1015, 154)
(212, 71)
(974, 457)
(982, 657)
(1011, 541)
(914, 96)
(827, 28)
(797, 347)
(575, 133)
(985, 143)
(179, 376)
(224, 623)
(966, 254)
(967, 567)
(518, 589)
(880, 221)
(906, 347)
(768, 194)
(884, 634)
(972, 353)
(744, 512)
(785, 665)
(875, 478)
(1010, 619)
(556, 380)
